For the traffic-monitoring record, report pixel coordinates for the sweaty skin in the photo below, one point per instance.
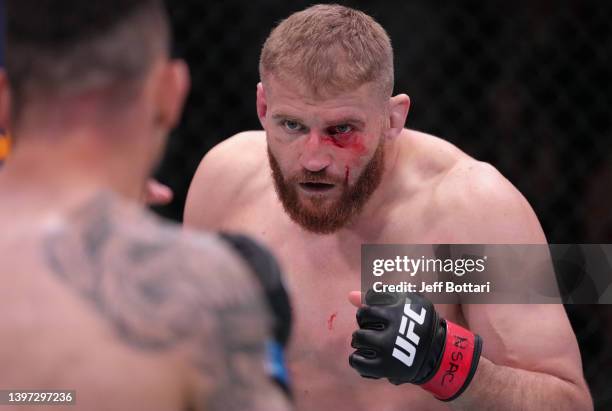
(435, 194)
(428, 192)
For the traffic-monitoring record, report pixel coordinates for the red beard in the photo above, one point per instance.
(326, 219)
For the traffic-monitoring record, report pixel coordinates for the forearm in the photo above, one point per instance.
(497, 387)
(416, 346)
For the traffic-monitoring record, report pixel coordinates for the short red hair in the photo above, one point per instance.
(329, 49)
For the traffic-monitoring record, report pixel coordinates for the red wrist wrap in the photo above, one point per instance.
(458, 365)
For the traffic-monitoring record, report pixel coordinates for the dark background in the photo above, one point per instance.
(522, 85)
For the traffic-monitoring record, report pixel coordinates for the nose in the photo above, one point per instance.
(315, 156)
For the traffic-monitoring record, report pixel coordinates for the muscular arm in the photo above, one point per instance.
(176, 295)
(508, 381)
(530, 358)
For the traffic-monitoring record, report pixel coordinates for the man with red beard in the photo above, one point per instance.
(334, 168)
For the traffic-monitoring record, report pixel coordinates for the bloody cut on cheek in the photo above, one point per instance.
(351, 141)
(353, 150)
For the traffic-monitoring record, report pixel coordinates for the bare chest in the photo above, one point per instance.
(321, 343)
(320, 273)
(319, 281)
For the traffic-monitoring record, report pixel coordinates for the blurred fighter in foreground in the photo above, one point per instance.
(99, 296)
(334, 169)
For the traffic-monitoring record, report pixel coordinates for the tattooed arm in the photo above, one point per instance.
(172, 292)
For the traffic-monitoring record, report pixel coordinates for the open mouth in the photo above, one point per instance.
(317, 187)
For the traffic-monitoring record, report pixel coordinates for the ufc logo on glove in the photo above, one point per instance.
(402, 338)
(404, 350)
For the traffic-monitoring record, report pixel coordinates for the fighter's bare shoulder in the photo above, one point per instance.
(126, 263)
(107, 236)
(470, 197)
(236, 170)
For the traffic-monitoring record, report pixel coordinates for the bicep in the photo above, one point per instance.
(533, 337)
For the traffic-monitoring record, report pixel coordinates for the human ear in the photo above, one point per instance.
(398, 112)
(262, 106)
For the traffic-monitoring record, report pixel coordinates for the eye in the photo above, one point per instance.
(341, 129)
(291, 125)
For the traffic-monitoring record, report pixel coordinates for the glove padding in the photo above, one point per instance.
(269, 275)
(402, 338)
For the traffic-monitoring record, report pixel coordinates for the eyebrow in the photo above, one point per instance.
(340, 120)
(281, 116)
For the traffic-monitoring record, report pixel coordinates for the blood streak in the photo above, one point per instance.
(333, 141)
(330, 321)
(346, 175)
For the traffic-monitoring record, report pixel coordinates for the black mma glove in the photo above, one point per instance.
(402, 338)
(269, 275)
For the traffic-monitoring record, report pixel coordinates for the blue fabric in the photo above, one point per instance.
(276, 362)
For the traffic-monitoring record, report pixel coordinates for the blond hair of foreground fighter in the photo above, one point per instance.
(105, 300)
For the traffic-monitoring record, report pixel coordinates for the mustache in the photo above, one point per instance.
(307, 176)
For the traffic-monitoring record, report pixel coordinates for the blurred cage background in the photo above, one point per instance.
(523, 85)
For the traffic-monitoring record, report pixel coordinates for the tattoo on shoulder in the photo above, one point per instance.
(157, 289)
